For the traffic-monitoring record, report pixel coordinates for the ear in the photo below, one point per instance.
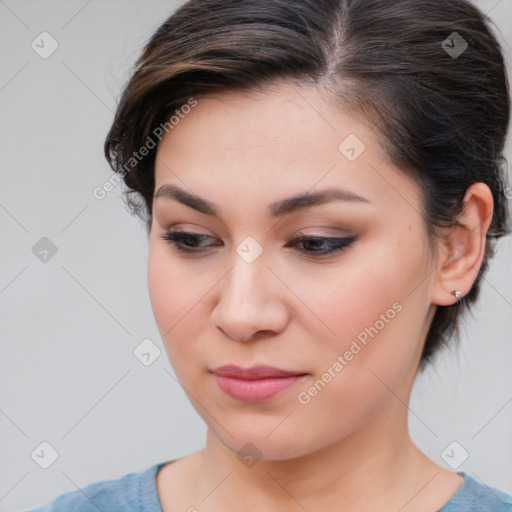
(462, 248)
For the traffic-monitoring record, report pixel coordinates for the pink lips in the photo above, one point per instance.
(255, 384)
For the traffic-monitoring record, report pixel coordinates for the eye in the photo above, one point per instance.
(313, 245)
(330, 244)
(184, 241)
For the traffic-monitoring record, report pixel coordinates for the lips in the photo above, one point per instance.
(253, 373)
(255, 384)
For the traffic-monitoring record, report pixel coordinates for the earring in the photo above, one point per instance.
(457, 294)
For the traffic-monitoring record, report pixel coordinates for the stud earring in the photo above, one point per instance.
(457, 294)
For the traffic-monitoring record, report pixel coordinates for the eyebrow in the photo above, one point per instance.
(277, 209)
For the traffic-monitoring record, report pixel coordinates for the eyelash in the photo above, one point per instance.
(337, 244)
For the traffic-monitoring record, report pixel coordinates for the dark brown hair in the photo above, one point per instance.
(442, 109)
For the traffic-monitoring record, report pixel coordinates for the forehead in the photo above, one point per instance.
(285, 122)
(267, 113)
(284, 139)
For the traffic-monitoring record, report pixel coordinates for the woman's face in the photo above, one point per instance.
(351, 322)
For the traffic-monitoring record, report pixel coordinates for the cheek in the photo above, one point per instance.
(172, 298)
(377, 330)
(348, 299)
(163, 288)
(369, 314)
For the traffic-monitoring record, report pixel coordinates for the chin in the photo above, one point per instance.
(255, 441)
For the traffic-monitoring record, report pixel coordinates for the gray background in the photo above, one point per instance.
(69, 326)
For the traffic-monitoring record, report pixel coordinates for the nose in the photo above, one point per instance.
(250, 305)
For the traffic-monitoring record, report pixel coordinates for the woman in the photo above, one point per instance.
(323, 185)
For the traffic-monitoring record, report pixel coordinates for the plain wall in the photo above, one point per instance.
(68, 326)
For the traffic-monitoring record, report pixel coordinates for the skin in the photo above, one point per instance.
(348, 448)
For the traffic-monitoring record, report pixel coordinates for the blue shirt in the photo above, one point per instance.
(137, 492)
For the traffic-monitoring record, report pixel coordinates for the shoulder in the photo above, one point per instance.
(474, 496)
(133, 492)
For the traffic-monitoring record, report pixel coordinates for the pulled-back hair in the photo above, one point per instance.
(442, 109)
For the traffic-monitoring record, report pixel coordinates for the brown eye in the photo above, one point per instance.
(314, 245)
(322, 245)
(185, 241)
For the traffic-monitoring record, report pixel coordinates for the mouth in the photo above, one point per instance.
(255, 384)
